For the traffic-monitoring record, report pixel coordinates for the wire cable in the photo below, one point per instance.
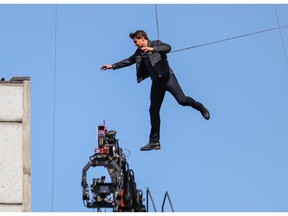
(167, 195)
(148, 194)
(54, 106)
(157, 23)
(231, 38)
(283, 44)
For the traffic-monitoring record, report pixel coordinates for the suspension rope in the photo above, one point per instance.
(283, 44)
(157, 23)
(54, 108)
(231, 38)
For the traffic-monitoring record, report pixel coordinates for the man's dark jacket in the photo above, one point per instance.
(158, 59)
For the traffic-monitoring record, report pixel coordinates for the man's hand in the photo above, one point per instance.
(147, 49)
(105, 67)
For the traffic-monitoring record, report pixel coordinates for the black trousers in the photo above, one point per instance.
(158, 89)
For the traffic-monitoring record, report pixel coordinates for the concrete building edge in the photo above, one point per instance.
(26, 122)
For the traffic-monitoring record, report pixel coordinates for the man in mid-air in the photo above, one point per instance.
(151, 61)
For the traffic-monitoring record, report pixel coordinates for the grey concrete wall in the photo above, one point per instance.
(15, 145)
(11, 103)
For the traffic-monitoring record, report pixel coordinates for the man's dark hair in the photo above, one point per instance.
(138, 34)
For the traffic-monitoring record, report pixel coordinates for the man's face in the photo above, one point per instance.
(141, 42)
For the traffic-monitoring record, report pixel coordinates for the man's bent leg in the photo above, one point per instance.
(174, 88)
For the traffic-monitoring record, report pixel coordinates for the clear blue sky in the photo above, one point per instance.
(236, 161)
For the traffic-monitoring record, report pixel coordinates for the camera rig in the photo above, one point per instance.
(121, 194)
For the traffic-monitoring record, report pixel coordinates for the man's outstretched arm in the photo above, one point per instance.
(124, 63)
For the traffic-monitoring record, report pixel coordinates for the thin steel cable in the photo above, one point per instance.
(163, 203)
(231, 38)
(283, 44)
(54, 107)
(157, 23)
(148, 194)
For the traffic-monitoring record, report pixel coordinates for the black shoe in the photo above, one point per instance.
(151, 146)
(205, 113)
(201, 108)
